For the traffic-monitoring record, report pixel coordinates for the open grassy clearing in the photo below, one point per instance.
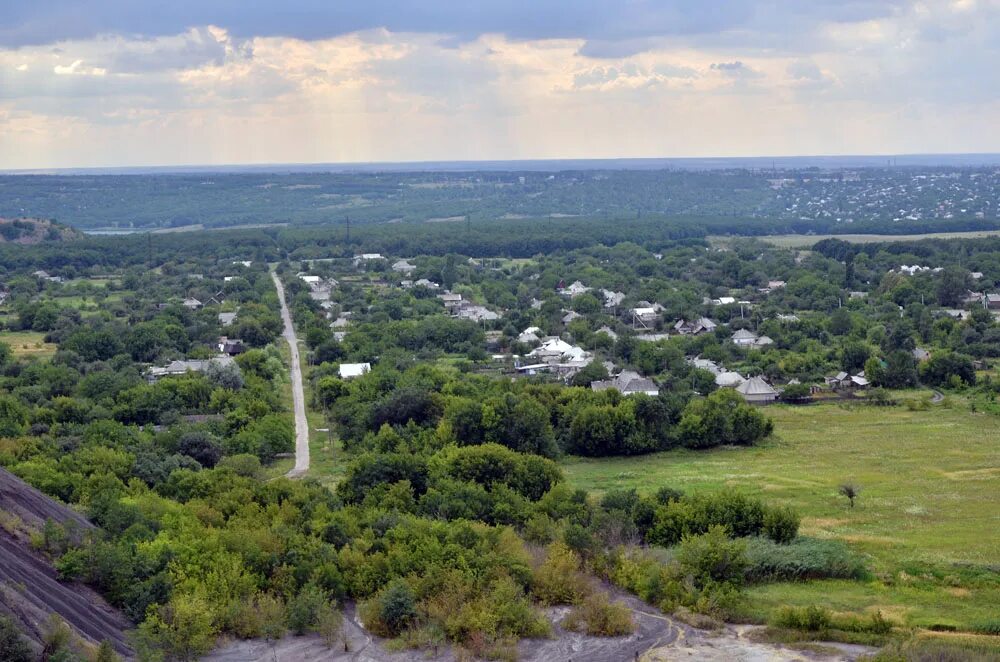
(927, 516)
(806, 240)
(28, 343)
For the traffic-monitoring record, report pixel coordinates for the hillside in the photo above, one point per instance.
(34, 231)
(31, 591)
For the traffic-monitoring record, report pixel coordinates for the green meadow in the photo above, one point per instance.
(927, 519)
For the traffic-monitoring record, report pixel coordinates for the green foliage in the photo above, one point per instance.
(800, 560)
(712, 557)
(13, 647)
(597, 616)
(558, 580)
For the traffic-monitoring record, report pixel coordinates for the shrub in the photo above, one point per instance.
(558, 581)
(802, 559)
(599, 617)
(13, 647)
(812, 619)
(304, 609)
(712, 557)
(392, 610)
(781, 524)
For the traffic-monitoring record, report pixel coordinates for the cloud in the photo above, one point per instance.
(227, 81)
(608, 29)
(736, 70)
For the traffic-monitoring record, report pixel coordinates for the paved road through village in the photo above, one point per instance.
(298, 394)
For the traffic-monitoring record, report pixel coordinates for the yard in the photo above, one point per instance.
(928, 515)
(28, 343)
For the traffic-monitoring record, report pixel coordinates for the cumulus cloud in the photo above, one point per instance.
(228, 81)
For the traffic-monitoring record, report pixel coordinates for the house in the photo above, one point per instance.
(402, 266)
(341, 322)
(645, 314)
(757, 391)
(723, 301)
(744, 338)
(705, 364)
(976, 275)
(608, 331)
(231, 346)
(991, 301)
(729, 379)
(423, 282)
(788, 319)
(857, 295)
(700, 325)
(843, 381)
(351, 370)
(775, 284)
(367, 257)
(192, 304)
(175, 368)
(628, 383)
(450, 299)
(570, 316)
(476, 313)
(44, 275)
(575, 289)
(529, 335)
(227, 319)
(612, 299)
(920, 354)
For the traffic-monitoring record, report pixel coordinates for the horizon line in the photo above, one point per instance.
(471, 165)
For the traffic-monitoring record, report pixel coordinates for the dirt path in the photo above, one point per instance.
(657, 638)
(298, 393)
(937, 398)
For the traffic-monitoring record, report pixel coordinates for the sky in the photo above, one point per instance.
(184, 82)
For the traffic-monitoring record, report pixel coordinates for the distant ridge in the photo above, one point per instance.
(554, 165)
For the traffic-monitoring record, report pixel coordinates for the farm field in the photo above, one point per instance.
(927, 515)
(806, 240)
(28, 343)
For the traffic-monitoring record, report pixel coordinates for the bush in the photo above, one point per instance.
(13, 647)
(304, 609)
(811, 619)
(802, 559)
(392, 610)
(712, 557)
(599, 617)
(781, 524)
(558, 581)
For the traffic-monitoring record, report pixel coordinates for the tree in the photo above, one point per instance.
(840, 322)
(397, 607)
(849, 490)
(13, 647)
(200, 446)
(953, 283)
(900, 370)
(943, 368)
(592, 372)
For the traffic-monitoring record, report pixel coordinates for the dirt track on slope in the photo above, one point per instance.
(29, 588)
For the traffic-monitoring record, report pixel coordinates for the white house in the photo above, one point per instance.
(351, 370)
(756, 390)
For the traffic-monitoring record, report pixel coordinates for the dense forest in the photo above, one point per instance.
(738, 201)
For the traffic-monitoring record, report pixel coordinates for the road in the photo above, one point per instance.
(298, 393)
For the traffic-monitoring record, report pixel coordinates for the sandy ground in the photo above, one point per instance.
(298, 394)
(29, 587)
(658, 638)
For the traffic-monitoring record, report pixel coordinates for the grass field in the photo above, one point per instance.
(928, 517)
(28, 343)
(806, 240)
